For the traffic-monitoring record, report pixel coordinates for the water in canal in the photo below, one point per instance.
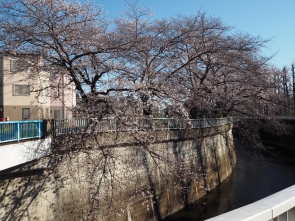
(258, 173)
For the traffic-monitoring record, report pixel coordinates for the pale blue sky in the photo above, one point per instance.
(270, 19)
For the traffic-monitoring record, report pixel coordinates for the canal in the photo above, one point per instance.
(259, 173)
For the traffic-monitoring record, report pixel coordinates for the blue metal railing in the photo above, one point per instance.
(20, 130)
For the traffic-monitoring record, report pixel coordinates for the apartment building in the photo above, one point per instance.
(27, 96)
(63, 97)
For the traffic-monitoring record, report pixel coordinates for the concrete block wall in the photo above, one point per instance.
(136, 186)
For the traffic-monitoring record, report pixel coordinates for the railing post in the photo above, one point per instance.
(18, 131)
(39, 129)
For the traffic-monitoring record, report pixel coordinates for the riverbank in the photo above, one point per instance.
(259, 172)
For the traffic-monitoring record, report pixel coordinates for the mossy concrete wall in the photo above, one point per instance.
(146, 190)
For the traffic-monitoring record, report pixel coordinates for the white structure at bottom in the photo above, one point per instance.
(277, 207)
(13, 154)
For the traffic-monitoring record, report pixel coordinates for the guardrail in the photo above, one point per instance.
(20, 130)
(277, 207)
(69, 126)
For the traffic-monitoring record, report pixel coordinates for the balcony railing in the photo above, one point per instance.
(69, 126)
(20, 130)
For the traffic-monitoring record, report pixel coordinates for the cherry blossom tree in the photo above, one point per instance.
(132, 68)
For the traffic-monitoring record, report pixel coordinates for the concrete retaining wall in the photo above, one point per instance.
(132, 182)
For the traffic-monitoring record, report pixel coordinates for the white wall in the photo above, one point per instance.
(13, 154)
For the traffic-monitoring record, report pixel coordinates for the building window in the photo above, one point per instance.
(47, 113)
(21, 90)
(18, 65)
(41, 114)
(56, 114)
(26, 113)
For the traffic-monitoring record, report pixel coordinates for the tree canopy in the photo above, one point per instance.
(195, 64)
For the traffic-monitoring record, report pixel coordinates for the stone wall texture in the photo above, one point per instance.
(137, 186)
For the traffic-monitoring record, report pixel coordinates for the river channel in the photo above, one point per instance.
(259, 173)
